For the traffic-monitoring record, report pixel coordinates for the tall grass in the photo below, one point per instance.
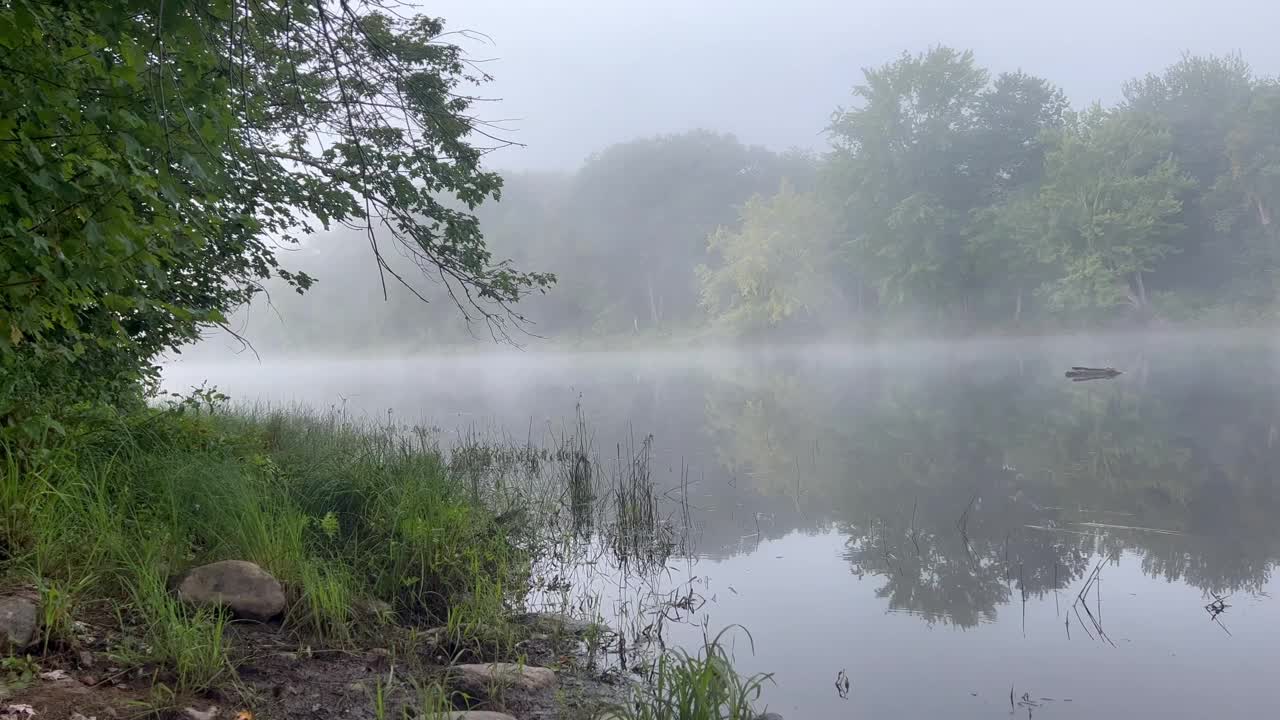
(341, 513)
(701, 686)
(347, 516)
(641, 535)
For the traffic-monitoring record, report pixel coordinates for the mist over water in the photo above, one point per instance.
(923, 516)
(930, 343)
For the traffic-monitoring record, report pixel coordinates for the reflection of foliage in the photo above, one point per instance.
(957, 486)
(932, 582)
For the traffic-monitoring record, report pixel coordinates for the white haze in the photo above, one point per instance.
(575, 75)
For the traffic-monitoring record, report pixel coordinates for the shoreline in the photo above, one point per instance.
(381, 606)
(684, 347)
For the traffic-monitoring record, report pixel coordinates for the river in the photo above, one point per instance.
(957, 529)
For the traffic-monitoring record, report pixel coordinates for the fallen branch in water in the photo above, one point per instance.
(1078, 373)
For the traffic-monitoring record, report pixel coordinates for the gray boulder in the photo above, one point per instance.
(248, 590)
(480, 680)
(19, 623)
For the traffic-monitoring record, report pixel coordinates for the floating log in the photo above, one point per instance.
(1079, 373)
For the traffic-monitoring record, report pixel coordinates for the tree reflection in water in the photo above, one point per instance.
(964, 486)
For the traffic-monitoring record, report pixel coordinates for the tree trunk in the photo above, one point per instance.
(1137, 292)
(654, 315)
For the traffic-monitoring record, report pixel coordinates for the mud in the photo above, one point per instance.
(279, 677)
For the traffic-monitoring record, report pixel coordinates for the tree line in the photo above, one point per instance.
(951, 199)
(964, 199)
(956, 196)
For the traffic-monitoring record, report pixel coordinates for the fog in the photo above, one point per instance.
(855, 508)
(713, 173)
(835, 265)
(577, 76)
(831, 261)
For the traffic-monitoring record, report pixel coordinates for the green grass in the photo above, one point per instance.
(342, 514)
(701, 686)
(364, 525)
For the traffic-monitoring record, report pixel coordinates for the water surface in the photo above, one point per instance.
(942, 523)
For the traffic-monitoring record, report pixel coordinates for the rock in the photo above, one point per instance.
(769, 716)
(478, 715)
(209, 714)
(248, 590)
(19, 623)
(479, 680)
(87, 659)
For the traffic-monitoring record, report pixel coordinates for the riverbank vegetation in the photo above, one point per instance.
(361, 528)
(154, 160)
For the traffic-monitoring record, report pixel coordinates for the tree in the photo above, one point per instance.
(775, 268)
(1253, 151)
(1110, 206)
(1199, 100)
(1017, 112)
(639, 214)
(1246, 199)
(900, 172)
(153, 157)
(1013, 116)
(1007, 247)
(930, 141)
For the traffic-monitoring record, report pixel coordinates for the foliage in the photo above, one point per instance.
(938, 208)
(1109, 205)
(341, 514)
(900, 158)
(1245, 199)
(772, 271)
(931, 139)
(705, 686)
(961, 194)
(153, 157)
(623, 234)
(640, 212)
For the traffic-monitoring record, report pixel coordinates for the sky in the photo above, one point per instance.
(573, 76)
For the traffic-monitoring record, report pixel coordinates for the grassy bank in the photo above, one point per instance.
(398, 561)
(363, 528)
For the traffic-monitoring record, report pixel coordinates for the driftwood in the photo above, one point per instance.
(1079, 374)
